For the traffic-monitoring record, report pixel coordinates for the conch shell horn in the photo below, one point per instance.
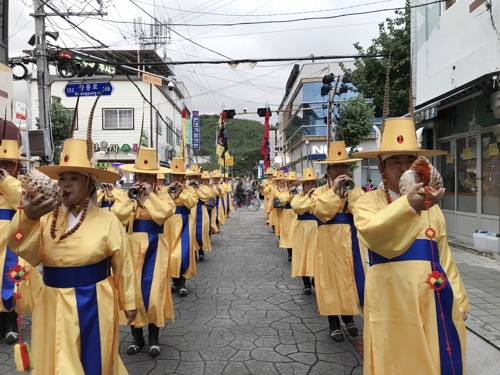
(420, 171)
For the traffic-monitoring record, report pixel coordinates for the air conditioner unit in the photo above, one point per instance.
(39, 141)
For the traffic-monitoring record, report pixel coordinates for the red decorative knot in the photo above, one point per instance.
(18, 235)
(146, 161)
(400, 139)
(17, 273)
(339, 153)
(436, 280)
(430, 233)
(66, 158)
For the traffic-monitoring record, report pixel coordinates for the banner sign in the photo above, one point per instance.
(196, 131)
(152, 79)
(189, 131)
(21, 110)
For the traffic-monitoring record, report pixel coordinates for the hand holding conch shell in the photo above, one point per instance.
(36, 207)
(416, 199)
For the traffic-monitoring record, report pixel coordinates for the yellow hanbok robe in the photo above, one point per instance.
(221, 205)
(402, 329)
(305, 237)
(288, 220)
(10, 196)
(107, 199)
(275, 213)
(339, 268)
(75, 318)
(266, 187)
(200, 212)
(229, 201)
(214, 221)
(179, 230)
(150, 253)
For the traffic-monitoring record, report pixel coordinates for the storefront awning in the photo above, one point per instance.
(427, 112)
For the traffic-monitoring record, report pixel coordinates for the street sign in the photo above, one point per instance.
(88, 89)
(196, 130)
(152, 79)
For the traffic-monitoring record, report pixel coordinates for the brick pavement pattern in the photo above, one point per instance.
(243, 315)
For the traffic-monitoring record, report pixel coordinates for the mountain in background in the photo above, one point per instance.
(244, 141)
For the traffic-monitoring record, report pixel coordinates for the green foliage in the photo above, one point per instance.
(355, 121)
(369, 75)
(61, 124)
(244, 141)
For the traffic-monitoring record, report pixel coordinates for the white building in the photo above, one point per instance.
(118, 117)
(456, 65)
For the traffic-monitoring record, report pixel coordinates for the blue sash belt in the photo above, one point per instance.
(107, 204)
(185, 240)
(148, 268)
(10, 261)
(420, 250)
(307, 216)
(359, 271)
(199, 223)
(217, 210)
(83, 279)
(287, 206)
(223, 205)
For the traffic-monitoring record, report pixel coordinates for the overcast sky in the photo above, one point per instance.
(211, 86)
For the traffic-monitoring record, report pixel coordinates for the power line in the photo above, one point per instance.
(297, 19)
(272, 14)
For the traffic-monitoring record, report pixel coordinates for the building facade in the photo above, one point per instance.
(456, 68)
(302, 133)
(119, 116)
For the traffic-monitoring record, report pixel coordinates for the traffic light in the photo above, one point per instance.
(343, 88)
(262, 112)
(230, 113)
(327, 84)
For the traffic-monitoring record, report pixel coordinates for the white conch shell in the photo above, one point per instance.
(420, 171)
(36, 182)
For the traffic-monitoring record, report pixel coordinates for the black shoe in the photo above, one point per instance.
(201, 255)
(154, 347)
(183, 292)
(307, 290)
(289, 258)
(11, 338)
(352, 330)
(337, 335)
(138, 341)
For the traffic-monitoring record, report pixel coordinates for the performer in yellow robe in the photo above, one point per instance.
(214, 214)
(10, 198)
(415, 301)
(75, 318)
(145, 219)
(275, 207)
(219, 200)
(338, 267)
(305, 232)
(179, 229)
(201, 211)
(227, 190)
(288, 216)
(266, 189)
(107, 194)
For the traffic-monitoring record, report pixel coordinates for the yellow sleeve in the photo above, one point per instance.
(160, 208)
(204, 193)
(301, 203)
(270, 205)
(388, 231)
(227, 188)
(284, 197)
(10, 187)
(449, 265)
(188, 197)
(325, 204)
(100, 194)
(30, 248)
(121, 263)
(122, 208)
(220, 192)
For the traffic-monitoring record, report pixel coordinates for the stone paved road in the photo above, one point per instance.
(243, 315)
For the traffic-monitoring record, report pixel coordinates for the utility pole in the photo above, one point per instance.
(330, 117)
(44, 80)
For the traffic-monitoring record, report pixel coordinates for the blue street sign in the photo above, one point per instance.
(88, 89)
(196, 131)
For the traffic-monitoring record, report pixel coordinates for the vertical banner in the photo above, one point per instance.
(196, 130)
(183, 139)
(189, 131)
(21, 111)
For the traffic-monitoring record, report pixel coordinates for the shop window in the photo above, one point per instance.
(490, 190)
(446, 165)
(117, 119)
(466, 174)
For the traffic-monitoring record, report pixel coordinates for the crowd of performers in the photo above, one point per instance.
(409, 289)
(108, 256)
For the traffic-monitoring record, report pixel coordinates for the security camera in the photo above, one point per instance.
(171, 86)
(245, 110)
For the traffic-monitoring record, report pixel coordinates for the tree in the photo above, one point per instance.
(369, 75)
(61, 124)
(355, 121)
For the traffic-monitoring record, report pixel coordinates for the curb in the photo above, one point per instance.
(468, 247)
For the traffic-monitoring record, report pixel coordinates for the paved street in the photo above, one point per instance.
(245, 315)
